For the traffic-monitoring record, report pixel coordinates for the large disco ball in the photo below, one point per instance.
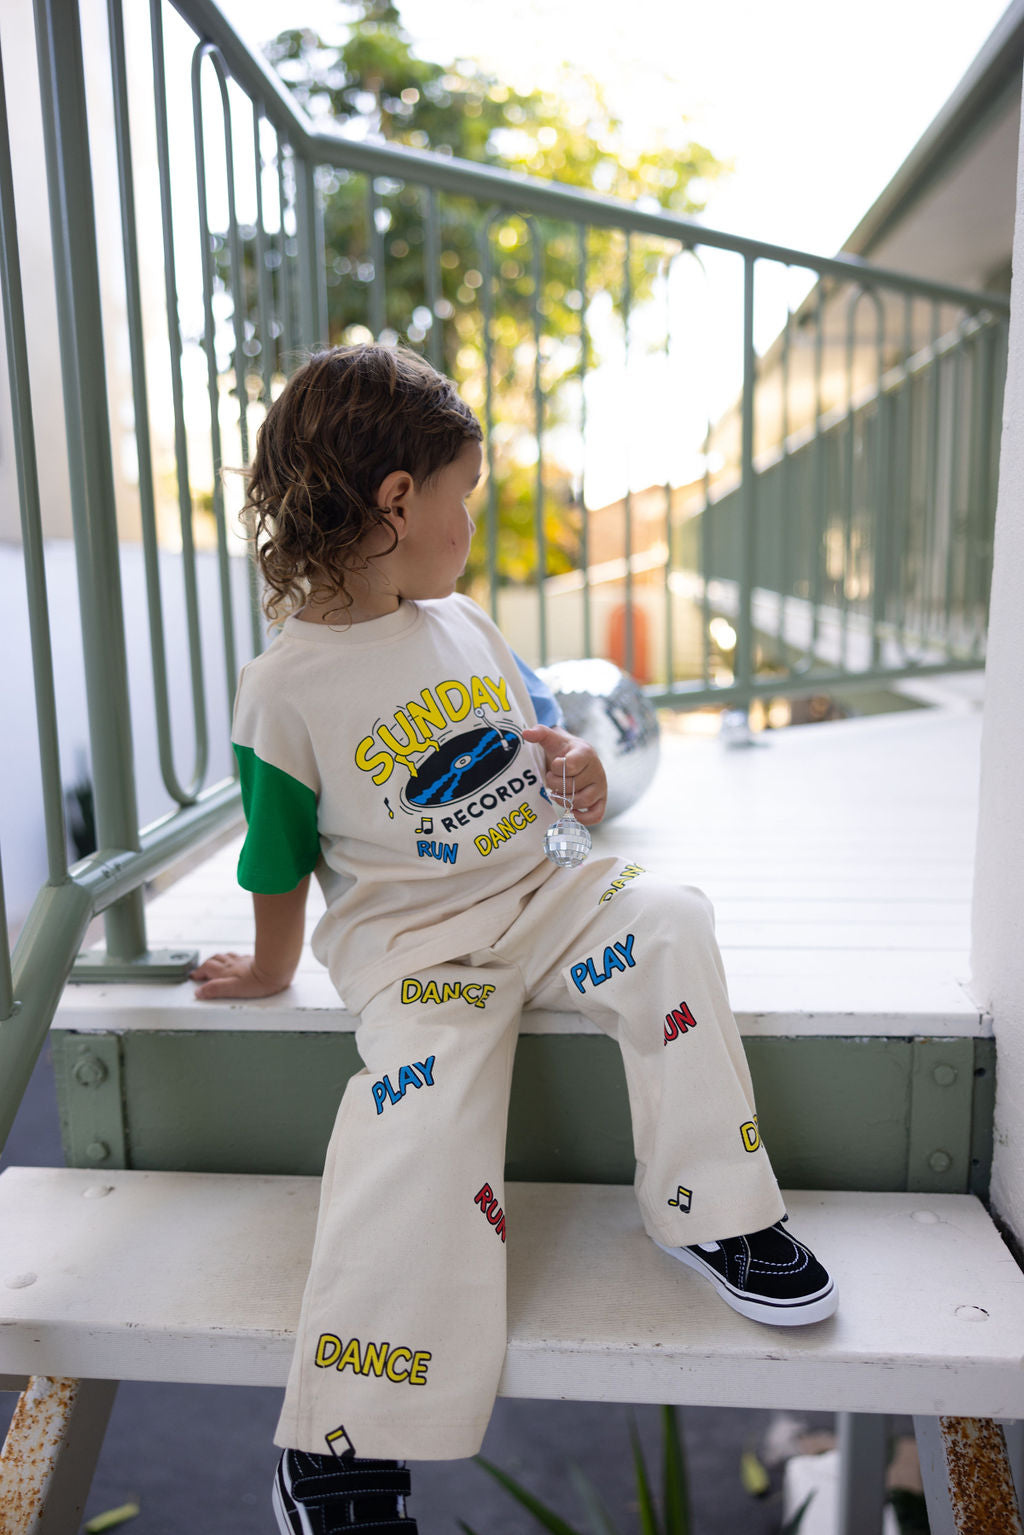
(605, 706)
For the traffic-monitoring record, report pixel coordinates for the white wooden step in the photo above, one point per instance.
(198, 1277)
(839, 859)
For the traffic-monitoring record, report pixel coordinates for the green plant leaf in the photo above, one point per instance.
(112, 1518)
(601, 1522)
(754, 1477)
(792, 1525)
(545, 1517)
(675, 1496)
(648, 1516)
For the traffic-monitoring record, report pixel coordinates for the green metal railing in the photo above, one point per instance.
(840, 518)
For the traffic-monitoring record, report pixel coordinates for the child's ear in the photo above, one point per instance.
(391, 495)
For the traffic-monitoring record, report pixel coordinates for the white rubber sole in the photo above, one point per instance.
(284, 1524)
(811, 1308)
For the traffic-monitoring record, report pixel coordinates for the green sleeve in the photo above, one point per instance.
(282, 845)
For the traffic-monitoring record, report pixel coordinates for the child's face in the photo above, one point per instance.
(439, 528)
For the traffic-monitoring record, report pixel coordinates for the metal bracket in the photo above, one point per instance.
(941, 1100)
(165, 965)
(90, 1082)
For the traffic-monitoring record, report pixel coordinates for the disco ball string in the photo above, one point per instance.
(567, 842)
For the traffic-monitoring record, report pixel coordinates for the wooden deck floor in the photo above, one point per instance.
(839, 858)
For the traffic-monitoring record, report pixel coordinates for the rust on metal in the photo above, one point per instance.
(981, 1491)
(29, 1455)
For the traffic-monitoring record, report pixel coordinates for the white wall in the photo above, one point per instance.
(998, 938)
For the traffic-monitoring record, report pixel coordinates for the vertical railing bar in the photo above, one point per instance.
(705, 562)
(931, 476)
(819, 477)
(432, 275)
(213, 383)
(378, 296)
(265, 303)
(588, 637)
(877, 519)
(785, 499)
(27, 473)
(744, 674)
(264, 290)
(285, 283)
(537, 276)
(487, 272)
(848, 478)
(181, 461)
(234, 256)
(627, 500)
(322, 333)
(905, 526)
(956, 391)
(143, 443)
(310, 335)
(90, 457)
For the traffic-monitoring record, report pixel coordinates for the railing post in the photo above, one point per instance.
(80, 321)
(312, 322)
(743, 675)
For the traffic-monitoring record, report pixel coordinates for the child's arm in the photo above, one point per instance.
(280, 927)
(584, 775)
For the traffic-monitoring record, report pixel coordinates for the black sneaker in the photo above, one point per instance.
(768, 1276)
(325, 1495)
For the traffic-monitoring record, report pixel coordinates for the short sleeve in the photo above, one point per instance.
(282, 844)
(278, 777)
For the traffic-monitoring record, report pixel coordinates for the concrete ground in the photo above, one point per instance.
(199, 1459)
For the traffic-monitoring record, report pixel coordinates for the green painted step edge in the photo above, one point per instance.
(865, 1113)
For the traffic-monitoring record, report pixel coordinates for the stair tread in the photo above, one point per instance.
(198, 1277)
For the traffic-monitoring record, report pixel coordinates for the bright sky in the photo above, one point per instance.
(816, 105)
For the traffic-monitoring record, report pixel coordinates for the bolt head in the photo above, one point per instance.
(90, 1071)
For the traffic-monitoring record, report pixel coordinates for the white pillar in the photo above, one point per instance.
(997, 959)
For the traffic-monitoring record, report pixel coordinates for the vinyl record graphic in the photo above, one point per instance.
(463, 765)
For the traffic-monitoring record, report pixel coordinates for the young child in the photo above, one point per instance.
(387, 741)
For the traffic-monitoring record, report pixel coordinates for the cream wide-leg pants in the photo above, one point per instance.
(402, 1331)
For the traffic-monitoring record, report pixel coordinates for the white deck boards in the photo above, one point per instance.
(171, 1276)
(839, 858)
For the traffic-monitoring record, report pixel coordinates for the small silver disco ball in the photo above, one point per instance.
(605, 706)
(567, 842)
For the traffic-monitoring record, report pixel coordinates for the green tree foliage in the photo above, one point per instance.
(541, 282)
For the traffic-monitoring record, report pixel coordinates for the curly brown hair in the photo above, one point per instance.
(345, 420)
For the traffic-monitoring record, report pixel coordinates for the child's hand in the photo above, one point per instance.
(582, 768)
(234, 975)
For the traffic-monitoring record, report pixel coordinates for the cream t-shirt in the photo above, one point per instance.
(388, 757)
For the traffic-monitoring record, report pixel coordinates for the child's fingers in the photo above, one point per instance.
(213, 966)
(214, 989)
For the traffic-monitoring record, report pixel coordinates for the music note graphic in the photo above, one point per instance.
(426, 826)
(391, 813)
